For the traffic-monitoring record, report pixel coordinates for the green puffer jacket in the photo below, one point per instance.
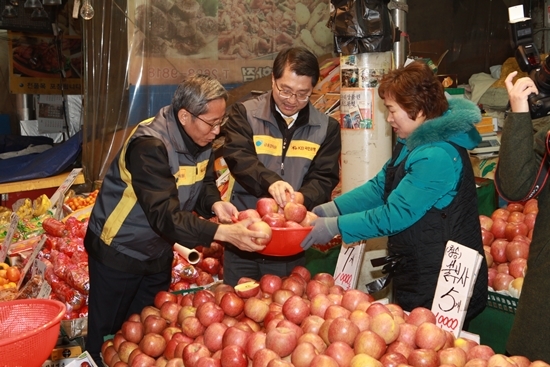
(519, 160)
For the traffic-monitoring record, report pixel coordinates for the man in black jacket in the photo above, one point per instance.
(163, 173)
(277, 144)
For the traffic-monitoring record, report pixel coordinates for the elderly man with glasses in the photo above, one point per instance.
(276, 145)
(163, 173)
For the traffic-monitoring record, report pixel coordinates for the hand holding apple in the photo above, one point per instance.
(244, 238)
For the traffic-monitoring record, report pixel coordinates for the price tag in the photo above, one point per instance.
(30, 260)
(455, 284)
(45, 290)
(346, 273)
(5, 246)
(61, 190)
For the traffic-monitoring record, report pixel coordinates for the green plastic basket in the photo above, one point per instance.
(501, 302)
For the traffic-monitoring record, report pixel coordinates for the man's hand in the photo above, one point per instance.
(278, 191)
(324, 230)
(519, 92)
(238, 235)
(225, 211)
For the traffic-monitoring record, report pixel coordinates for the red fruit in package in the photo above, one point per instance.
(54, 227)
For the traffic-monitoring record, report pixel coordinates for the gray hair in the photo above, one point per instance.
(195, 91)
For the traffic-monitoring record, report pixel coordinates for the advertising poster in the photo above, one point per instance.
(356, 108)
(233, 40)
(43, 64)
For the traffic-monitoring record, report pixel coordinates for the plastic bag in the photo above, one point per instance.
(361, 26)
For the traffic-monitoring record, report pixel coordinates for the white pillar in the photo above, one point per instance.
(366, 144)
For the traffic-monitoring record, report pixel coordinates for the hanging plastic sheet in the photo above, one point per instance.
(361, 26)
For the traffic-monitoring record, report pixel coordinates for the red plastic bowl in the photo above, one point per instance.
(286, 241)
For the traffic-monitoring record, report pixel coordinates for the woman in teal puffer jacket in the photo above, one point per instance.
(424, 196)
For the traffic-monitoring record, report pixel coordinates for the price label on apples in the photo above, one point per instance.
(348, 265)
(457, 277)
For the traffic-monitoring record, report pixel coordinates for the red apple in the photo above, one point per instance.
(361, 319)
(302, 271)
(192, 327)
(521, 361)
(323, 330)
(487, 237)
(465, 344)
(295, 212)
(132, 331)
(500, 213)
(207, 362)
(364, 360)
(531, 206)
(152, 344)
(294, 284)
(255, 342)
(319, 304)
(480, 351)
(148, 310)
(500, 360)
(154, 324)
(517, 268)
(248, 213)
(275, 220)
(516, 249)
(401, 348)
(342, 330)
(353, 297)
(296, 329)
(502, 281)
(423, 358)
(264, 228)
(303, 354)
(233, 356)
(407, 334)
(513, 229)
(193, 352)
(486, 222)
(385, 326)
(266, 205)
(169, 311)
(341, 352)
(295, 309)
(418, 315)
(210, 265)
(125, 349)
(370, 343)
(281, 340)
(376, 308)
(498, 227)
(256, 309)
(169, 332)
(323, 360)
(236, 335)
(393, 359)
(476, 362)
(452, 356)
(312, 323)
(334, 311)
(269, 283)
(209, 313)
(263, 356)
(315, 340)
(162, 297)
(430, 336)
(291, 224)
(309, 219)
(232, 304)
(530, 219)
(213, 336)
(247, 289)
(281, 295)
(326, 278)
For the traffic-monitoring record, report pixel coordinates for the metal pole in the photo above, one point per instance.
(399, 9)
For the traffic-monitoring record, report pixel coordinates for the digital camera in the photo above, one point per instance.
(528, 59)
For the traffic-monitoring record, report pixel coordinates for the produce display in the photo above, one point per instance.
(299, 320)
(506, 236)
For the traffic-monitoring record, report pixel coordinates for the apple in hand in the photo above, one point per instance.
(261, 227)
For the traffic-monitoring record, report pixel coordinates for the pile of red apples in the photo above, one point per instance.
(506, 236)
(298, 321)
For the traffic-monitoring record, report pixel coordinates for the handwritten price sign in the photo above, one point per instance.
(348, 265)
(457, 277)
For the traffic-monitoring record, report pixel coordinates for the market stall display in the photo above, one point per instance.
(299, 320)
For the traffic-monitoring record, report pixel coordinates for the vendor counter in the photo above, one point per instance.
(13, 191)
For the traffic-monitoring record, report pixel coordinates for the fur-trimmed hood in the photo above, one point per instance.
(455, 125)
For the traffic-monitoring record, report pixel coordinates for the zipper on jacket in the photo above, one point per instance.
(283, 157)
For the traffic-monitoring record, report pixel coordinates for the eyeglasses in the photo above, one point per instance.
(214, 125)
(302, 97)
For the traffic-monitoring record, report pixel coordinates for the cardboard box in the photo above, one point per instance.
(486, 125)
(484, 167)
